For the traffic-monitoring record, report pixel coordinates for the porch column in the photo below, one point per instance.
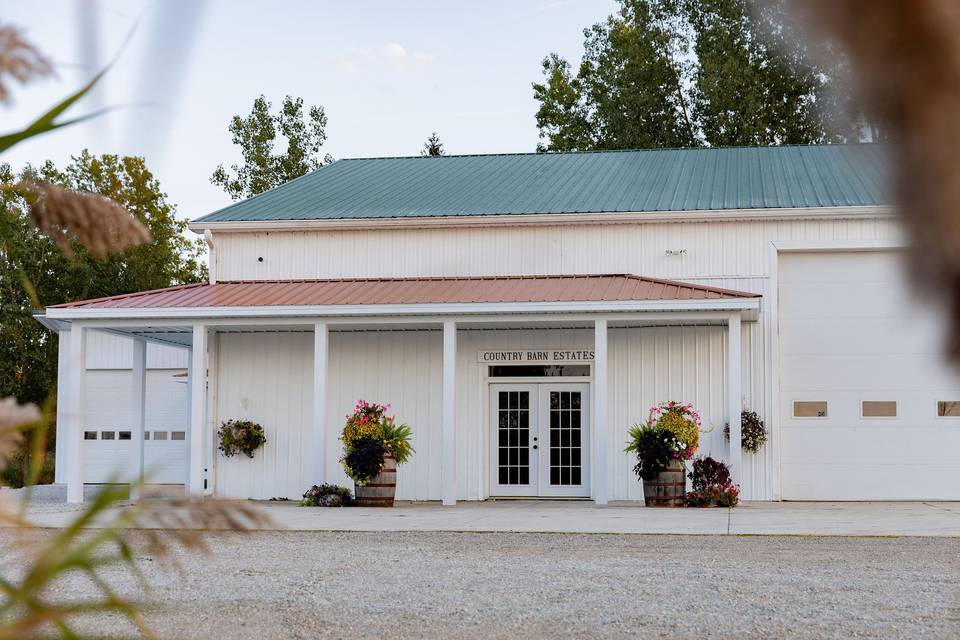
(198, 396)
(138, 408)
(76, 401)
(600, 412)
(448, 451)
(734, 396)
(321, 342)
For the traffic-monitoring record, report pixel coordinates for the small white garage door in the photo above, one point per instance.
(869, 409)
(107, 438)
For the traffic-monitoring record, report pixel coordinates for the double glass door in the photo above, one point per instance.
(540, 439)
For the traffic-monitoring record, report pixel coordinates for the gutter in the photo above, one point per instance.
(546, 219)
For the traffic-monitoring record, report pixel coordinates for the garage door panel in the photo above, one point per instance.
(847, 266)
(856, 336)
(843, 299)
(859, 482)
(866, 447)
(844, 372)
(850, 330)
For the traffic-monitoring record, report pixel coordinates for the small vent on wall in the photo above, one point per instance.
(676, 252)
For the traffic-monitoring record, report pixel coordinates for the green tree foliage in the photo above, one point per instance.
(433, 146)
(33, 269)
(681, 73)
(256, 135)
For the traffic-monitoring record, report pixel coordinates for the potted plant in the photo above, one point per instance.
(373, 445)
(240, 436)
(670, 435)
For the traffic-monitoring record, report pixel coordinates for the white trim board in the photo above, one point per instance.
(551, 219)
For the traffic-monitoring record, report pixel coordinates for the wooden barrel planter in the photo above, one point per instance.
(381, 489)
(669, 487)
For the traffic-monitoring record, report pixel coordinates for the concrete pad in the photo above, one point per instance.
(753, 518)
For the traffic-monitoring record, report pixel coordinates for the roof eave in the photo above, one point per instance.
(749, 306)
(493, 220)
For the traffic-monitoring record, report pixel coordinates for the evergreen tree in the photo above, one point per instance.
(433, 146)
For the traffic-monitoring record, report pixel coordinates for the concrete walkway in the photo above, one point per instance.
(757, 518)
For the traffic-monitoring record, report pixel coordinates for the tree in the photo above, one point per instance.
(628, 92)
(681, 73)
(433, 146)
(33, 268)
(756, 82)
(256, 134)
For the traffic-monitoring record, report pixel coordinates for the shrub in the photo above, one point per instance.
(654, 448)
(711, 484)
(240, 436)
(364, 460)
(327, 495)
(708, 472)
(753, 433)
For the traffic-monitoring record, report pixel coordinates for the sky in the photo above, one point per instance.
(387, 73)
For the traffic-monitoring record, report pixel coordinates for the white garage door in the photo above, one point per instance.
(869, 409)
(107, 443)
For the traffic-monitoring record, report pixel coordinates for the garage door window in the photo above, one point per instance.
(106, 435)
(125, 435)
(878, 409)
(89, 435)
(159, 435)
(948, 409)
(810, 409)
(177, 435)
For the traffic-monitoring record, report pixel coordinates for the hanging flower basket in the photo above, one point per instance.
(240, 436)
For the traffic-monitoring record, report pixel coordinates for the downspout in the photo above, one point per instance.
(212, 266)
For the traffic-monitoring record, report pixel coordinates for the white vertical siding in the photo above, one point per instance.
(267, 377)
(714, 249)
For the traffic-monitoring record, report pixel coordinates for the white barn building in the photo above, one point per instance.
(534, 290)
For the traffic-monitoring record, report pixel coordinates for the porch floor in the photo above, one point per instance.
(751, 518)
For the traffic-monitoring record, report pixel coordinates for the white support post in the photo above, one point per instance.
(210, 427)
(64, 380)
(599, 445)
(76, 412)
(321, 343)
(138, 417)
(734, 396)
(448, 451)
(198, 397)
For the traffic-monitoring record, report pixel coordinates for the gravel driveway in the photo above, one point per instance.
(467, 585)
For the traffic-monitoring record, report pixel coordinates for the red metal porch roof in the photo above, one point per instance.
(363, 291)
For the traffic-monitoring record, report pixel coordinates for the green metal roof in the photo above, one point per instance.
(589, 182)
